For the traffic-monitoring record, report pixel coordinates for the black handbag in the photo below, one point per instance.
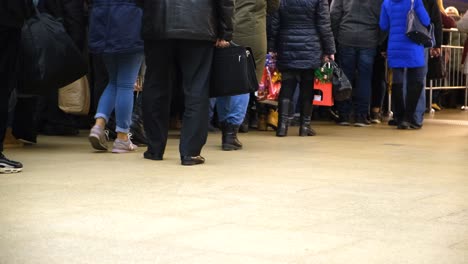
(233, 71)
(416, 31)
(436, 68)
(50, 58)
(342, 88)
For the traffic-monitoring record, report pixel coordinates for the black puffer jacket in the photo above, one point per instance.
(187, 19)
(301, 34)
(73, 14)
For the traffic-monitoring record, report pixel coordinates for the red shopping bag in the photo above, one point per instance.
(323, 88)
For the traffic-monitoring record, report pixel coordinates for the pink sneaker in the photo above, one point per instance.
(98, 138)
(121, 146)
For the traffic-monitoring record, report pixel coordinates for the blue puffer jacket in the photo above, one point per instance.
(115, 27)
(402, 52)
(301, 33)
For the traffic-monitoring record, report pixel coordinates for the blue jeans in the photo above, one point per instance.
(421, 107)
(357, 64)
(118, 95)
(232, 109)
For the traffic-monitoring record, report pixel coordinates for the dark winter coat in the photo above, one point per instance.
(250, 27)
(72, 13)
(301, 34)
(433, 10)
(355, 23)
(402, 52)
(115, 26)
(187, 19)
(13, 13)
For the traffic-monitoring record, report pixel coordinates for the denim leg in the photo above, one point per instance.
(123, 70)
(348, 63)
(232, 109)
(211, 109)
(363, 87)
(421, 107)
(107, 101)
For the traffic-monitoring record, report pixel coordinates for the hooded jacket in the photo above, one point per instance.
(187, 19)
(402, 52)
(115, 26)
(300, 32)
(355, 23)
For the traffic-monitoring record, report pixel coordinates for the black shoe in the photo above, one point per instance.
(151, 156)
(9, 166)
(361, 121)
(343, 120)
(403, 125)
(189, 160)
(392, 122)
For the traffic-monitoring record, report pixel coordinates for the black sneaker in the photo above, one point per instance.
(343, 120)
(9, 166)
(361, 121)
(376, 118)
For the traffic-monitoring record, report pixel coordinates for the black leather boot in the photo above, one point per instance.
(399, 104)
(304, 127)
(412, 98)
(229, 138)
(283, 117)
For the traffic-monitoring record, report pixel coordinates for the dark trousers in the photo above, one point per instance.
(9, 47)
(305, 79)
(189, 62)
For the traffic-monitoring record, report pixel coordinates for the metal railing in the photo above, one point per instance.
(455, 77)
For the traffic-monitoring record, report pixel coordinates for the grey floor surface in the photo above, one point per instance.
(349, 195)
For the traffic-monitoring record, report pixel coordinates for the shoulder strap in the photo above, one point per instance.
(412, 4)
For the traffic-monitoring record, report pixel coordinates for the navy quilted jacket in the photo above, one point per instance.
(115, 26)
(301, 34)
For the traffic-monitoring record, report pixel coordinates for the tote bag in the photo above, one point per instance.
(233, 72)
(416, 31)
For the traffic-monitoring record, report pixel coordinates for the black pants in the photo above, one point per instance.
(9, 47)
(305, 79)
(189, 62)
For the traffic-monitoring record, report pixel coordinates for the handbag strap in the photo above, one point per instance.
(412, 4)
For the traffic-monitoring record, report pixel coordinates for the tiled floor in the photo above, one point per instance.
(350, 195)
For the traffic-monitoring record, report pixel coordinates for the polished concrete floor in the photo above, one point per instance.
(350, 195)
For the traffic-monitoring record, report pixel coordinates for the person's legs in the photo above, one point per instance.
(157, 93)
(306, 97)
(398, 97)
(128, 66)
(363, 85)
(347, 59)
(379, 86)
(9, 46)
(416, 78)
(194, 58)
(288, 86)
(421, 107)
(97, 136)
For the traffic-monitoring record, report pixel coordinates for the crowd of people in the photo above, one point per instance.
(176, 40)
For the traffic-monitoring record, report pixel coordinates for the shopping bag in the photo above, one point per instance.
(233, 71)
(270, 84)
(323, 94)
(50, 58)
(342, 88)
(75, 98)
(436, 68)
